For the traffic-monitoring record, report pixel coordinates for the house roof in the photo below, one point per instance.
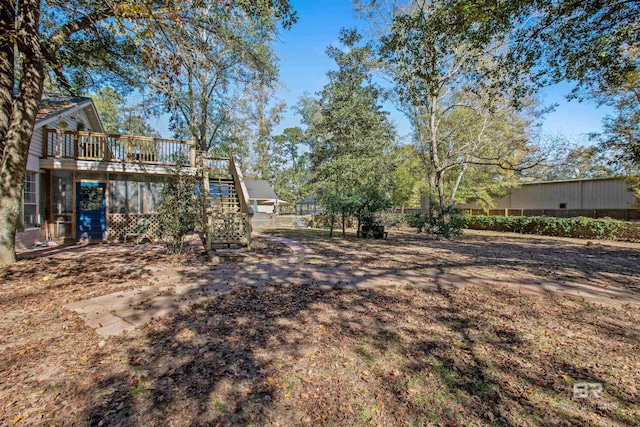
(259, 189)
(53, 105)
(307, 200)
(57, 103)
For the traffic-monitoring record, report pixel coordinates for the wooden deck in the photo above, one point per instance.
(103, 147)
(228, 212)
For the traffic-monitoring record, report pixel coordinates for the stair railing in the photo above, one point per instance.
(243, 196)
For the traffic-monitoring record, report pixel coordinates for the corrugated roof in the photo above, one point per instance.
(559, 181)
(56, 103)
(260, 189)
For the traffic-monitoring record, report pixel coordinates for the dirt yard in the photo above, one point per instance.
(304, 356)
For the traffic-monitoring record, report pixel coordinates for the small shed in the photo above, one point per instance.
(309, 205)
(262, 197)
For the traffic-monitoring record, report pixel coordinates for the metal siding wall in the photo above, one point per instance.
(502, 203)
(551, 195)
(596, 194)
(610, 194)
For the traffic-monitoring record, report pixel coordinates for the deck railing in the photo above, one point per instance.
(217, 166)
(104, 147)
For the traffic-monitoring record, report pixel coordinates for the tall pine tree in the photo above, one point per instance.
(351, 136)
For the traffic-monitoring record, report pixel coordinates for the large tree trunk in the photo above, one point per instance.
(436, 163)
(7, 58)
(17, 138)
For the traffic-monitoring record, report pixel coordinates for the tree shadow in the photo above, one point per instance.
(251, 356)
(281, 350)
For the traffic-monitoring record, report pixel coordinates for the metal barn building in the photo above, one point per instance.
(571, 196)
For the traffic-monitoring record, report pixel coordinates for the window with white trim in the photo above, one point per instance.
(30, 200)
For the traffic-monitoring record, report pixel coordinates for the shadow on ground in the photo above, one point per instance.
(297, 355)
(526, 257)
(301, 356)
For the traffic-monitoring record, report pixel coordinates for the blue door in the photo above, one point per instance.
(91, 220)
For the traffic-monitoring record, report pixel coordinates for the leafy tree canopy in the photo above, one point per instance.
(117, 117)
(350, 136)
(79, 43)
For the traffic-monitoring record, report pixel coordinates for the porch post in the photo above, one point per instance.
(205, 196)
(45, 142)
(192, 152)
(73, 207)
(76, 146)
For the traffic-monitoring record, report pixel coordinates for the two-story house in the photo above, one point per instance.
(84, 184)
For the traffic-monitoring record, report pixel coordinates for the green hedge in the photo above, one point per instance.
(434, 222)
(580, 227)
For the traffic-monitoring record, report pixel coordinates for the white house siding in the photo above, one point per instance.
(35, 148)
(580, 194)
(69, 118)
(265, 208)
(84, 114)
(33, 163)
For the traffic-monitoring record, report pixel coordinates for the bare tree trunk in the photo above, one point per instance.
(432, 186)
(17, 138)
(333, 220)
(442, 199)
(436, 163)
(454, 190)
(344, 233)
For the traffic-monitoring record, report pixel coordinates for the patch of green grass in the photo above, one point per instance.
(393, 357)
(365, 414)
(288, 382)
(431, 399)
(485, 388)
(139, 389)
(364, 352)
(443, 370)
(218, 406)
(417, 380)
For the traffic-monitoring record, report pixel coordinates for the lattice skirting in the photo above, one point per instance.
(228, 228)
(120, 224)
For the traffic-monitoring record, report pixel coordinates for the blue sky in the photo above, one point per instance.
(304, 64)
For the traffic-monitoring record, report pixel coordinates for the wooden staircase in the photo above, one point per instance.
(222, 195)
(228, 215)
